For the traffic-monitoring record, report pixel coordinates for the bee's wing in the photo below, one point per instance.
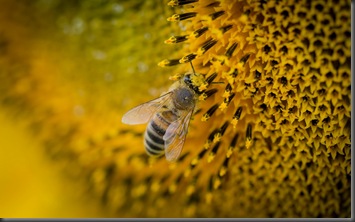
(175, 136)
(142, 113)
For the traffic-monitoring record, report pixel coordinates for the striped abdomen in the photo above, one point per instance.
(153, 137)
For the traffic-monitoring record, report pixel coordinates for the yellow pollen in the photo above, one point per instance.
(222, 171)
(226, 94)
(194, 161)
(229, 152)
(202, 87)
(163, 63)
(205, 117)
(190, 190)
(207, 145)
(202, 97)
(217, 137)
(217, 183)
(248, 143)
(174, 18)
(223, 106)
(234, 122)
(210, 157)
(175, 77)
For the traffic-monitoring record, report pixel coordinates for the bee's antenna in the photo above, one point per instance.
(192, 67)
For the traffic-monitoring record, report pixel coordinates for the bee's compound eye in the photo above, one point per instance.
(187, 79)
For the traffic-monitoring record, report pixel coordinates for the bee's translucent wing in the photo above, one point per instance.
(175, 136)
(142, 113)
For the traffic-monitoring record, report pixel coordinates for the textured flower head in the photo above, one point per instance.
(272, 121)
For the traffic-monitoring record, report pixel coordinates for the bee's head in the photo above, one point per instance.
(188, 81)
(194, 82)
(183, 98)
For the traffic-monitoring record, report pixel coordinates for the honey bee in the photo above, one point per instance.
(168, 118)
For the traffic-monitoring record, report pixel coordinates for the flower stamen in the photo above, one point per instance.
(176, 39)
(209, 113)
(231, 49)
(248, 136)
(181, 17)
(169, 62)
(199, 32)
(174, 3)
(213, 152)
(206, 46)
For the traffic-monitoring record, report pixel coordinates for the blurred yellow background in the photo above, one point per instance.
(30, 184)
(66, 65)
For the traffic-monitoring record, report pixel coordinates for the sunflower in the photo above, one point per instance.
(271, 137)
